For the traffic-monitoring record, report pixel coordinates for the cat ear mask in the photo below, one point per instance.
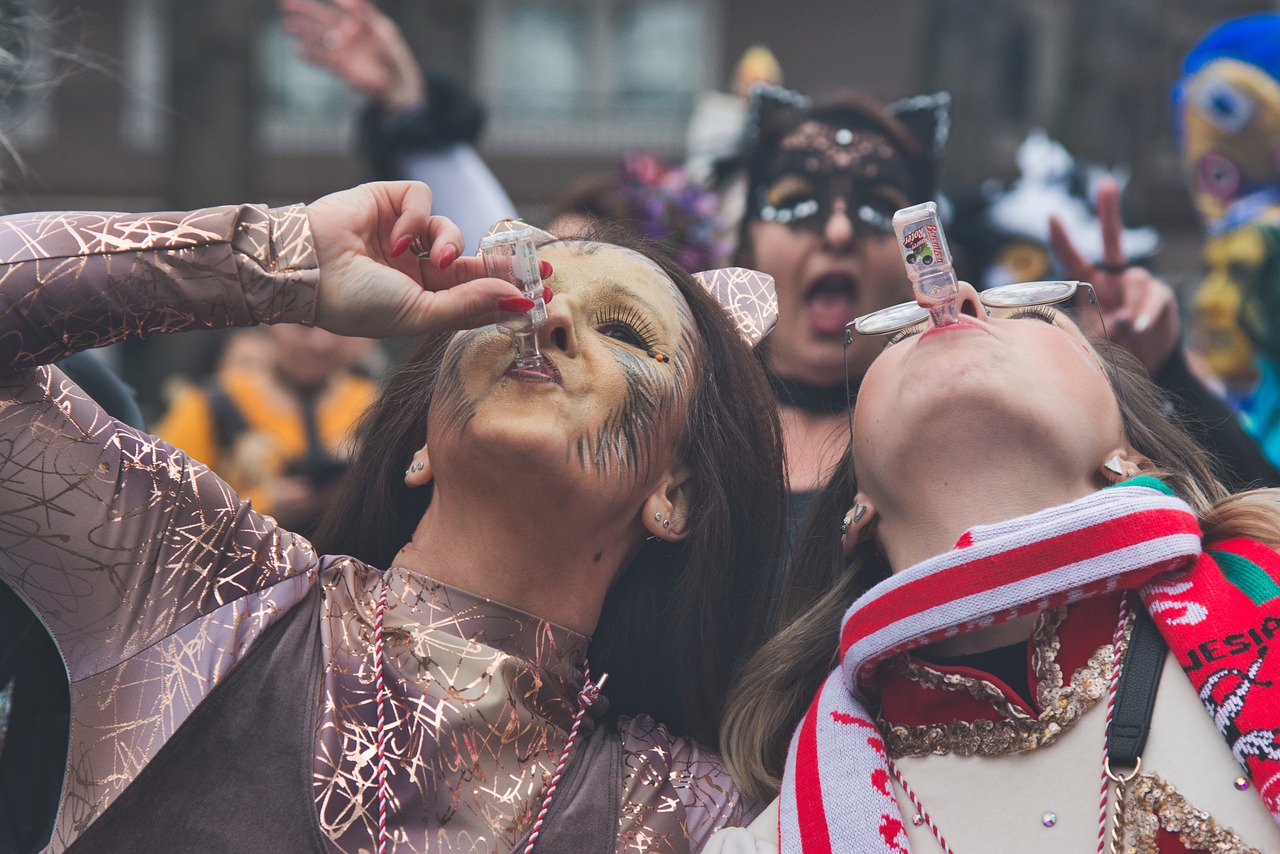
(748, 296)
(926, 117)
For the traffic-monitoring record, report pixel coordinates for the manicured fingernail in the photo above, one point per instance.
(546, 293)
(398, 248)
(447, 256)
(516, 304)
(544, 267)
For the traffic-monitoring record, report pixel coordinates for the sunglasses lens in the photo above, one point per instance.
(890, 319)
(1028, 293)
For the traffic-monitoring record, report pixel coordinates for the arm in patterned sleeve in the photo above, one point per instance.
(116, 539)
(72, 281)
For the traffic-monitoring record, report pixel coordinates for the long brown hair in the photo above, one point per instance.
(682, 616)
(781, 679)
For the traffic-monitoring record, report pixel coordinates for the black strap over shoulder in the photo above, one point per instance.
(1136, 692)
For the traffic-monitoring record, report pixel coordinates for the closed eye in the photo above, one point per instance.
(903, 334)
(1038, 312)
(627, 325)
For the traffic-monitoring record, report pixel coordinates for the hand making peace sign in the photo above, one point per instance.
(1140, 310)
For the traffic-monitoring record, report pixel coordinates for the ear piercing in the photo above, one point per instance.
(415, 467)
(859, 510)
(657, 357)
(666, 523)
(1117, 468)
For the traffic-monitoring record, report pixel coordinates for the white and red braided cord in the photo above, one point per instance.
(1116, 641)
(590, 691)
(381, 693)
(920, 810)
(586, 697)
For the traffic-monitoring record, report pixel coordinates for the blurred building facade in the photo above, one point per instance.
(194, 102)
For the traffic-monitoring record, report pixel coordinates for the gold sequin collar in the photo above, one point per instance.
(1015, 730)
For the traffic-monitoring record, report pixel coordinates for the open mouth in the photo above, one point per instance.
(544, 372)
(830, 302)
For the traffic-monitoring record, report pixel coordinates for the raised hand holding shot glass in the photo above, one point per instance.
(511, 255)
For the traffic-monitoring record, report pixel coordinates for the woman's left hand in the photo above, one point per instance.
(1140, 310)
(373, 286)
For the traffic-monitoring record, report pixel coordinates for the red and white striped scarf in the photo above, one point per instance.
(836, 790)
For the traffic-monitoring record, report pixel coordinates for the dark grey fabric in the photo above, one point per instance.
(237, 774)
(586, 809)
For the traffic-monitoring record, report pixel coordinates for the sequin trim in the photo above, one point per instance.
(1153, 804)
(1016, 731)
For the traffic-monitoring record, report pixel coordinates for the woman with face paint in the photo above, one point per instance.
(1025, 538)
(425, 685)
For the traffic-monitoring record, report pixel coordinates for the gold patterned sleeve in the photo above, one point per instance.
(676, 794)
(115, 538)
(71, 281)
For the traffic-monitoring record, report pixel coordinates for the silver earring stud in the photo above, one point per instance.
(844, 525)
(666, 523)
(1114, 466)
(859, 510)
(657, 517)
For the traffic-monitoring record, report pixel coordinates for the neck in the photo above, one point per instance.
(978, 490)
(547, 558)
(302, 389)
(808, 370)
(815, 399)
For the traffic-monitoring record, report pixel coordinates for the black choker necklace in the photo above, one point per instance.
(820, 400)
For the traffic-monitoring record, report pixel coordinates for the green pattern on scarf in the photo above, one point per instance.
(1249, 578)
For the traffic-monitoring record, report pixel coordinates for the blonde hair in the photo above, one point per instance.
(780, 680)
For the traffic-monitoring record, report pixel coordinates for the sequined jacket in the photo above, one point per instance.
(155, 578)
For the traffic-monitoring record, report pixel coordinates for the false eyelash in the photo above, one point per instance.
(1043, 312)
(632, 320)
(902, 334)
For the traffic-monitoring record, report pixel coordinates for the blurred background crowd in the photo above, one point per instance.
(640, 108)
(176, 105)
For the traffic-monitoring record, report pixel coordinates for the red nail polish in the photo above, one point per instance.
(547, 293)
(544, 267)
(398, 248)
(448, 255)
(516, 304)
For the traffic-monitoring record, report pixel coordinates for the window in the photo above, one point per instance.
(303, 108)
(593, 76)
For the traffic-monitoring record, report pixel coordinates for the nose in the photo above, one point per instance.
(967, 302)
(838, 231)
(559, 333)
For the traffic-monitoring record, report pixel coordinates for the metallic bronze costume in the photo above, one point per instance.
(155, 579)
